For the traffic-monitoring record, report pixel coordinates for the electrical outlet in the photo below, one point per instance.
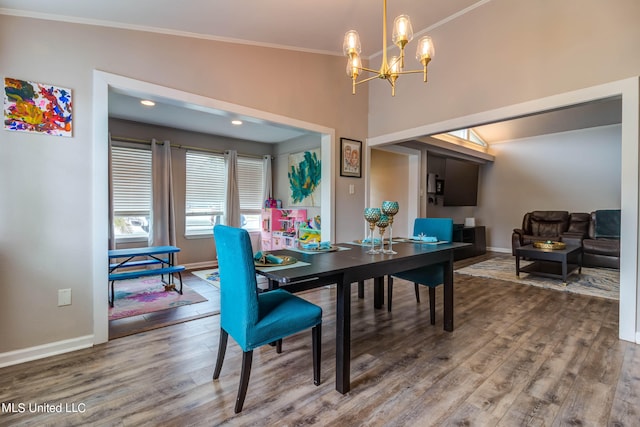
(352, 189)
(64, 297)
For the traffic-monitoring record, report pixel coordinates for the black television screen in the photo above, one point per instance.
(460, 183)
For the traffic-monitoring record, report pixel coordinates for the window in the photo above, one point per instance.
(250, 184)
(462, 136)
(205, 192)
(131, 184)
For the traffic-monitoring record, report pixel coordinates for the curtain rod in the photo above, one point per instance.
(185, 147)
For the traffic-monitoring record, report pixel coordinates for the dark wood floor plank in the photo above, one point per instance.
(497, 393)
(625, 410)
(588, 403)
(527, 410)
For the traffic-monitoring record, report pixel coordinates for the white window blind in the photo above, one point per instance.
(250, 184)
(205, 191)
(131, 181)
(205, 183)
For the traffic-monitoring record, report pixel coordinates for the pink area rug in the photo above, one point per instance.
(146, 295)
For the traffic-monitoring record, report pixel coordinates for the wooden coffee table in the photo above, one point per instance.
(555, 263)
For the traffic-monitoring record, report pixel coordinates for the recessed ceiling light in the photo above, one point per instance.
(147, 103)
(236, 122)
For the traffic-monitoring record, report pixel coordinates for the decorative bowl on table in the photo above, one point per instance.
(318, 247)
(549, 244)
(268, 261)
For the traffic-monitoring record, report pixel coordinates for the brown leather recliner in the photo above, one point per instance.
(539, 226)
(551, 225)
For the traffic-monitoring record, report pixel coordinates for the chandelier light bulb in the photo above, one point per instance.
(402, 31)
(354, 65)
(351, 43)
(425, 49)
(395, 67)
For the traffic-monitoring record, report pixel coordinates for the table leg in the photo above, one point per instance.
(361, 289)
(378, 292)
(448, 294)
(343, 336)
(580, 262)
(579, 256)
(564, 270)
(517, 265)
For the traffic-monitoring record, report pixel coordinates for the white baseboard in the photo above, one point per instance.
(46, 350)
(201, 265)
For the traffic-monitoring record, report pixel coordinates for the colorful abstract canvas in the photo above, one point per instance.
(36, 107)
(304, 178)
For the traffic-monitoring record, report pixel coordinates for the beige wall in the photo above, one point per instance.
(510, 51)
(45, 185)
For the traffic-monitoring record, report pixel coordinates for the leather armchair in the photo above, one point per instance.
(540, 225)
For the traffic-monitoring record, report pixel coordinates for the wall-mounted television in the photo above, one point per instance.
(460, 183)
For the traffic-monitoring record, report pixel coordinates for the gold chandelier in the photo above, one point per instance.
(390, 69)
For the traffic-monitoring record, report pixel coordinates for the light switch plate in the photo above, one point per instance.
(64, 297)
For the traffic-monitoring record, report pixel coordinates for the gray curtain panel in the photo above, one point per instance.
(112, 236)
(232, 197)
(267, 190)
(163, 228)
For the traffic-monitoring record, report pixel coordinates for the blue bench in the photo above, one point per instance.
(142, 273)
(140, 263)
(166, 266)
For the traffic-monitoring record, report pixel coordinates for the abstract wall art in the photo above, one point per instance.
(304, 178)
(37, 107)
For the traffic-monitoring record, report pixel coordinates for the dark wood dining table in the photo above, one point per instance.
(345, 267)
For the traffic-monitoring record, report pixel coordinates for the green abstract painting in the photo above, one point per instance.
(304, 178)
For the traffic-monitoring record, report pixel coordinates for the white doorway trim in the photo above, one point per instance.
(102, 81)
(629, 90)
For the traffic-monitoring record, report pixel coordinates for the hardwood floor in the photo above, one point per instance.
(519, 355)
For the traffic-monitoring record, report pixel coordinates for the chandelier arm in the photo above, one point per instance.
(369, 70)
(410, 72)
(366, 80)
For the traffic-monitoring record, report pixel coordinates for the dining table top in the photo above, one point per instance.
(353, 259)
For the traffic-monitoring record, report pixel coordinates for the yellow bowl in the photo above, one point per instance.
(549, 245)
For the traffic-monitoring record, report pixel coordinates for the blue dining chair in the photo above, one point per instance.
(431, 276)
(254, 319)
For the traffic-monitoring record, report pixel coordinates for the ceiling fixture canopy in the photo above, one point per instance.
(392, 68)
